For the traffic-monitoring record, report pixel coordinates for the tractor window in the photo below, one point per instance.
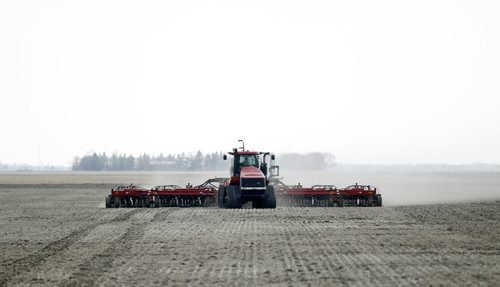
(249, 160)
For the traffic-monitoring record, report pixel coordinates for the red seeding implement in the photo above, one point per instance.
(327, 195)
(165, 195)
(251, 180)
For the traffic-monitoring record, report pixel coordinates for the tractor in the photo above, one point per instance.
(248, 180)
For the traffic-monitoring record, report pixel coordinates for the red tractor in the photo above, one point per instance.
(249, 180)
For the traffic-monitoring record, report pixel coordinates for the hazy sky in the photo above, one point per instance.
(370, 81)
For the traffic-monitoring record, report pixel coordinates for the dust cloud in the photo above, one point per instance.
(410, 188)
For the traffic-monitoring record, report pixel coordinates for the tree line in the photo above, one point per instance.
(144, 162)
(192, 162)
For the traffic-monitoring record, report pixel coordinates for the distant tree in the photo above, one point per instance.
(76, 163)
(196, 163)
(330, 161)
(130, 163)
(113, 162)
(207, 162)
(144, 162)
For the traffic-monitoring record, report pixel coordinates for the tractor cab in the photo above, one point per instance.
(243, 159)
(253, 160)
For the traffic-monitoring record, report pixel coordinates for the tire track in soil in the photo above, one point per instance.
(98, 265)
(25, 264)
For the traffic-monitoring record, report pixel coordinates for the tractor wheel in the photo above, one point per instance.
(269, 200)
(379, 200)
(116, 202)
(231, 200)
(108, 201)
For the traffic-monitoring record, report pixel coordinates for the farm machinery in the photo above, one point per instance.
(327, 195)
(252, 179)
(204, 194)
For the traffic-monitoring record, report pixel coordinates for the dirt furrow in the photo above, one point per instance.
(100, 267)
(18, 269)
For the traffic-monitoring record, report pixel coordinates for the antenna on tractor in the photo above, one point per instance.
(242, 148)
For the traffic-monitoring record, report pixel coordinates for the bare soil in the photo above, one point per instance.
(58, 232)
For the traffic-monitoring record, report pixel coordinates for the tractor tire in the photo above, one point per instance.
(232, 199)
(269, 200)
(108, 201)
(379, 200)
(116, 202)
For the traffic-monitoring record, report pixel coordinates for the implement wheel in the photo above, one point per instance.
(108, 201)
(370, 201)
(340, 201)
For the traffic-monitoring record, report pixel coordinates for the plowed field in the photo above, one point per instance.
(56, 232)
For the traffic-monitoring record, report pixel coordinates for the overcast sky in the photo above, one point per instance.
(369, 81)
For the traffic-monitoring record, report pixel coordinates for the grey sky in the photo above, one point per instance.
(370, 81)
